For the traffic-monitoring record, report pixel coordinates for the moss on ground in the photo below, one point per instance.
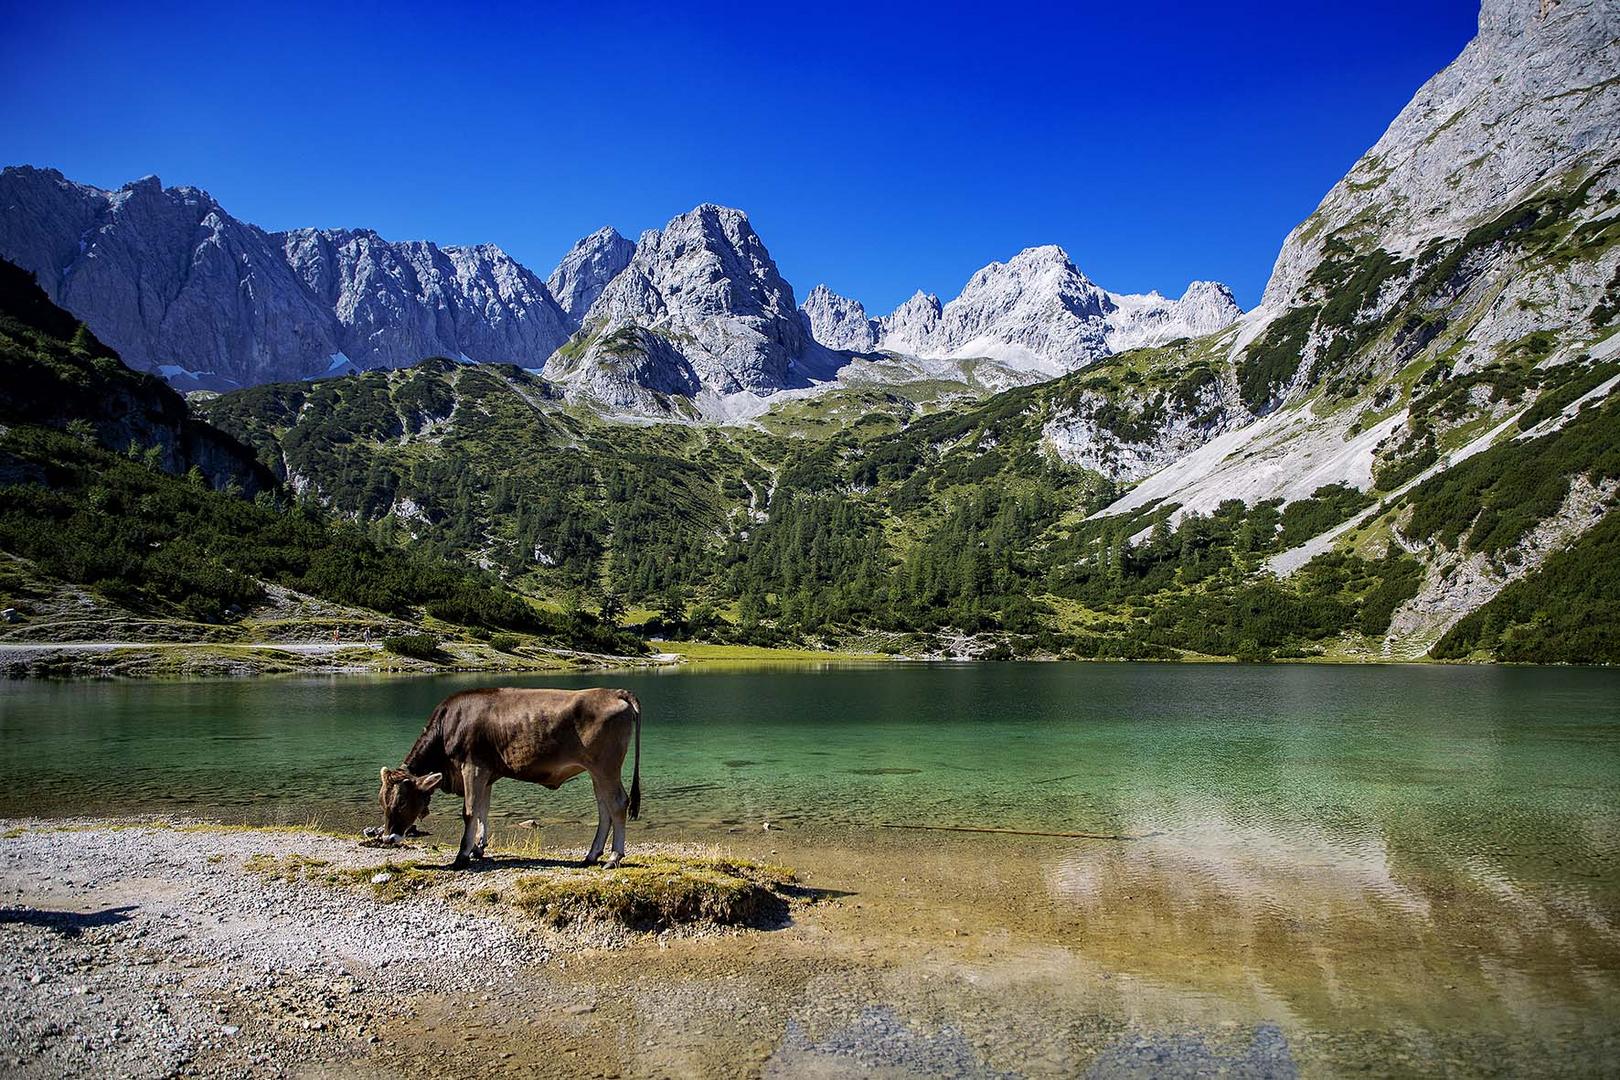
(646, 892)
(656, 892)
(389, 882)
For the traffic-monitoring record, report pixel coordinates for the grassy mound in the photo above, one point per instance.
(655, 892)
(647, 892)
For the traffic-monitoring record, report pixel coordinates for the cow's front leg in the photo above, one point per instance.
(472, 784)
(602, 823)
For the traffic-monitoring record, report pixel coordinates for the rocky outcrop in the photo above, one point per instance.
(1036, 307)
(911, 327)
(166, 278)
(1533, 96)
(839, 322)
(1151, 319)
(180, 287)
(1130, 438)
(700, 300)
(1483, 216)
(396, 303)
(585, 271)
(1458, 582)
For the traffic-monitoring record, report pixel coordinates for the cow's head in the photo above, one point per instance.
(404, 798)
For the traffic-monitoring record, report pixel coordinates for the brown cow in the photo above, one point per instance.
(547, 736)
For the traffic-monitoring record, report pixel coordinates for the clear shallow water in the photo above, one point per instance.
(1519, 767)
(1395, 850)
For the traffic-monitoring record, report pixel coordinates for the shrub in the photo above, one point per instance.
(415, 646)
(505, 642)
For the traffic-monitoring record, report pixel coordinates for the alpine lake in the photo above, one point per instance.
(1044, 868)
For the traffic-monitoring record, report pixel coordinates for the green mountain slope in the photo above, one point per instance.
(88, 496)
(964, 521)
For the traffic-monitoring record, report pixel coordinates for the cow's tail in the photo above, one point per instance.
(635, 775)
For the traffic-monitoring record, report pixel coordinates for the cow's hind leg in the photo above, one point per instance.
(618, 803)
(603, 821)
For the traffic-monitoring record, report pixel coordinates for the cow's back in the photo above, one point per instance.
(545, 735)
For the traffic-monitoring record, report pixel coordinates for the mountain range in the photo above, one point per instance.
(695, 310)
(1411, 447)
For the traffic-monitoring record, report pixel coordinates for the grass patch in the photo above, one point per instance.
(398, 879)
(647, 892)
(656, 892)
(692, 651)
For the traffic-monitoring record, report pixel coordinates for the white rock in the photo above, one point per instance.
(177, 285)
(1038, 312)
(700, 307)
(839, 322)
(585, 271)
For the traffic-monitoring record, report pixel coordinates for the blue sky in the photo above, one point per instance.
(879, 148)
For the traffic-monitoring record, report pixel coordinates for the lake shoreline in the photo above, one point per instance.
(162, 947)
(168, 947)
(199, 660)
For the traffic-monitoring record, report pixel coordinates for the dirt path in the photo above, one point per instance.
(302, 648)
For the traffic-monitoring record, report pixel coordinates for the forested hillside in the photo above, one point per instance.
(962, 522)
(106, 481)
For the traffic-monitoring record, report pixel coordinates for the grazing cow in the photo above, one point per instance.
(547, 736)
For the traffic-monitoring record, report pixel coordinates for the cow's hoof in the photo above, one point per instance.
(460, 862)
(612, 861)
(590, 860)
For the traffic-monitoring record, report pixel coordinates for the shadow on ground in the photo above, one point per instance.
(68, 923)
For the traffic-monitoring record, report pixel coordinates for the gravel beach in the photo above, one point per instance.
(167, 948)
(152, 951)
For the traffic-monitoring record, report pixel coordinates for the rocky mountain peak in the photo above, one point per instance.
(585, 271)
(839, 322)
(706, 287)
(177, 285)
(1532, 96)
(911, 326)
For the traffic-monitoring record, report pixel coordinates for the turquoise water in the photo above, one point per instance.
(1517, 765)
(1376, 859)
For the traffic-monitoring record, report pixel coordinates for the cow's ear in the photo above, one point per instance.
(429, 782)
(384, 774)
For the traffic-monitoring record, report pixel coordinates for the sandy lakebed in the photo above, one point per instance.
(168, 948)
